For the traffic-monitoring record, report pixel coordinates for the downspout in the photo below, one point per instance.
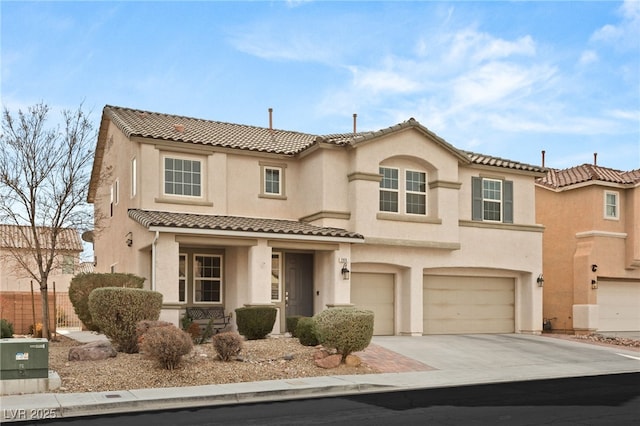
(153, 261)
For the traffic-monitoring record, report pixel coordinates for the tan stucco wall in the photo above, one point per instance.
(577, 236)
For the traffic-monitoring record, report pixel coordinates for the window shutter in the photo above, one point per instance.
(508, 201)
(476, 201)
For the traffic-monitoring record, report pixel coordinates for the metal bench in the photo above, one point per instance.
(202, 316)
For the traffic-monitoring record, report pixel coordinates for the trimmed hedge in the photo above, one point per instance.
(292, 323)
(306, 331)
(255, 322)
(118, 310)
(83, 284)
(345, 329)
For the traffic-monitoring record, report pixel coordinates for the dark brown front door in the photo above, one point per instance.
(298, 278)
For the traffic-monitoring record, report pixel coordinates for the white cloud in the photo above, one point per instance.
(626, 33)
(588, 56)
(387, 81)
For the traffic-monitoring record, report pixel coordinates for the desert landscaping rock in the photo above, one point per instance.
(92, 351)
(329, 362)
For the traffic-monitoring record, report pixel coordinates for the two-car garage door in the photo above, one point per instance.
(451, 304)
(462, 304)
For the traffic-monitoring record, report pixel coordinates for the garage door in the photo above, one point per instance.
(459, 305)
(375, 292)
(618, 305)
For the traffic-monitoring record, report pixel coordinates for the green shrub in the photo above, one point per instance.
(116, 311)
(345, 329)
(292, 323)
(255, 322)
(83, 284)
(6, 329)
(166, 345)
(227, 345)
(306, 331)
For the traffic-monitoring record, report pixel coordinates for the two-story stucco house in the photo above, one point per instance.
(591, 248)
(433, 239)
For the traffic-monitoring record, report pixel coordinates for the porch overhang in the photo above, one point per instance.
(240, 227)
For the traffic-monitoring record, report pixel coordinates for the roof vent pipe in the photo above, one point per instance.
(543, 152)
(270, 118)
(595, 158)
(355, 116)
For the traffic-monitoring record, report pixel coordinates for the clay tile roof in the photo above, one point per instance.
(20, 237)
(206, 132)
(488, 160)
(235, 223)
(178, 128)
(587, 172)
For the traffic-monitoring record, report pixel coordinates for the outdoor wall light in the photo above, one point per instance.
(129, 240)
(540, 280)
(594, 284)
(594, 267)
(345, 271)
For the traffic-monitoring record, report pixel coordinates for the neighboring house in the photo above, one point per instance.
(16, 282)
(591, 248)
(433, 239)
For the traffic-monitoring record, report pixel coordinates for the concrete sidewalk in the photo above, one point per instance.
(453, 361)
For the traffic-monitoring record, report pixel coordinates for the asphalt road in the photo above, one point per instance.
(594, 400)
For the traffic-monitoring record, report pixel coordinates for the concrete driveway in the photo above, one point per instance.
(502, 357)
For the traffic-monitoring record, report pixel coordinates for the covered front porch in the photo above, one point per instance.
(236, 262)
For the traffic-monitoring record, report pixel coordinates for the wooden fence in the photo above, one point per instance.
(23, 310)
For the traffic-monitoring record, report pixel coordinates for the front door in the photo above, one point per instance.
(298, 285)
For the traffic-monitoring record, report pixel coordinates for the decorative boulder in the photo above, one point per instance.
(352, 361)
(331, 361)
(101, 349)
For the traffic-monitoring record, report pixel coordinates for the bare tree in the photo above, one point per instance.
(44, 177)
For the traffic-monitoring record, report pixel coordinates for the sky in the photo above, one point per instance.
(507, 79)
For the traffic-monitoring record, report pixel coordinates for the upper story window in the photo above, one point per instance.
(134, 177)
(272, 180)
(611, 205)
(115, 196)
(182, 177)
(68, 264)
(492, 200)
(412, 192)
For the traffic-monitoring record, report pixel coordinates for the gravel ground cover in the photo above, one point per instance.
(265, 359)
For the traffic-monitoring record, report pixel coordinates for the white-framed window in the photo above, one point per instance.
(182, 278)
(272, 180)
(410, 193)
(276, 268)
(182, 177)
(389, 189)
(492, 199)
(114, 198)
(207, 278)
(611, 205)
(416, 192)
(134, 177)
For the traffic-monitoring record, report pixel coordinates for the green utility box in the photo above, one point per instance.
(24, 359)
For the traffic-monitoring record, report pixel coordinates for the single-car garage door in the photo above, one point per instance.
(459, 305)
(375, 292)
(618, 305)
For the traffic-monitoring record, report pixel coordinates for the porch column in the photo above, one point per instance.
(166, 276)
(259, 274)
